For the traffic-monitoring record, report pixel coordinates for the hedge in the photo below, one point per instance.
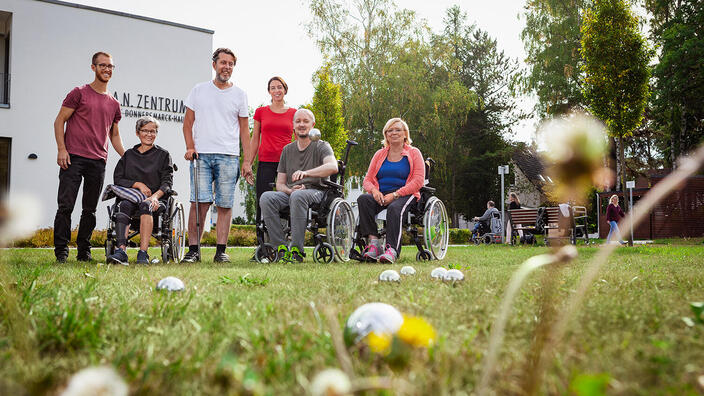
(240, 235)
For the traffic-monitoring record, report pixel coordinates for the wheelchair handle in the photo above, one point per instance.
(341, 172)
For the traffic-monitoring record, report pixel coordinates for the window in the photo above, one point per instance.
(5, 27)
(5, 150)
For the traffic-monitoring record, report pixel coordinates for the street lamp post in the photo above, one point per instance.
(503, 170)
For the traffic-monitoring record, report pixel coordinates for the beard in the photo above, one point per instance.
(100, 77)
(221, 77)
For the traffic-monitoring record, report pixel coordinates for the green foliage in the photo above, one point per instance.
(551, 37)
(615, 68)
(327, 107)
(590, 385)
(678, 101)
(250, 198)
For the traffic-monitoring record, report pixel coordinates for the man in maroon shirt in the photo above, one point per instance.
(90, 115)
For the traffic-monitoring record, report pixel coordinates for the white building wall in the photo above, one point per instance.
(51, 49)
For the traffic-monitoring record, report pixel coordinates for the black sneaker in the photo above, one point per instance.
(142, 257)
(296, 255)
(84, 256)
(119, 257)
(221, 258)
(191, 256)
(61, 259)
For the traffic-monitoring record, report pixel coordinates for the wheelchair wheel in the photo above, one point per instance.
(424, 255)
(265, 253)
(436, 230)
(340, 229)
(178, 233)
(323, 253)
(488, 239)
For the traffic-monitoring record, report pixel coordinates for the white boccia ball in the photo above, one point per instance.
(389, 276)
(314, 134)
(380, 318)
(453, 275)
(438, 273)
(408, 270)
(170, 283)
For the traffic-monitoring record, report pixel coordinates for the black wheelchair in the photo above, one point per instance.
(429, 213)
(332, 213)
(169, 229)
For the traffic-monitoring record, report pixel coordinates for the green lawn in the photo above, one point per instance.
(224, 335)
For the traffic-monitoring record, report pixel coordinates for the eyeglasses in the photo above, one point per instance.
(106, 66)
(149, 131)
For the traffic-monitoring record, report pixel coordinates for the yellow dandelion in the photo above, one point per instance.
(379, 342)
(415, 331)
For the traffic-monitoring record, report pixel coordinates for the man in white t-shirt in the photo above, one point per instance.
(216, 123)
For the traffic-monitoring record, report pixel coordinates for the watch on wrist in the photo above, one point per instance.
(395, 195)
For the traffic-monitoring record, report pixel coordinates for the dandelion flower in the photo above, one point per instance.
(379, 342)
(330, 382)
(417, 332)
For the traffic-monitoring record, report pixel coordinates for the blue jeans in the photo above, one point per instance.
(221, 170)
(613, 229)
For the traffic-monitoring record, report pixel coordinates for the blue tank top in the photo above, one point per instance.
(393, 175)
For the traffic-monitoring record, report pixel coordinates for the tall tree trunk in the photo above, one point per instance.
(673, 149)
(619, 163)
(683, 130)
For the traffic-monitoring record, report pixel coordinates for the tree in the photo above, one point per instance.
(362, 40)
(678, 100)
(551, 38)
(481, 143)
(327, 107)
(615, 71)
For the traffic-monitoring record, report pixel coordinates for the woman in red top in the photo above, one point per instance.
(273, 128)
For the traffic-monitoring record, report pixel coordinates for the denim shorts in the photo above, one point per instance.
(217, 179)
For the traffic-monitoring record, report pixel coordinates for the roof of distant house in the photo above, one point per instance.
(529, 162)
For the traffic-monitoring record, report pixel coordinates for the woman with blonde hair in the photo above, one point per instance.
(393, 182)
(613, 214)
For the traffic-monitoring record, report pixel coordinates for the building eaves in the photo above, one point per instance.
(529, 162)
(128, 15)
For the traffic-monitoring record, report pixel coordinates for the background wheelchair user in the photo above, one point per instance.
(482, 224)
(302, 167)
(393, 181)
(148, 168)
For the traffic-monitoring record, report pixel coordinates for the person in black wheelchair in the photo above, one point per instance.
(142, 184)
(488, 224)
(395, 182)
(307, 199)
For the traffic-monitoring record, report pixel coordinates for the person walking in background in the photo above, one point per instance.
(393, 181)
(86, 121)
(613, 215)
(273, 129)
(216, 122)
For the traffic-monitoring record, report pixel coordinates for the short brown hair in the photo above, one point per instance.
(223, 50)
(279, 79)
(97, 54)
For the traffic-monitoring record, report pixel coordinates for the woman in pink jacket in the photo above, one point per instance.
(393, 181)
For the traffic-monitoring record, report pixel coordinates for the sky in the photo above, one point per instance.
(269, 37)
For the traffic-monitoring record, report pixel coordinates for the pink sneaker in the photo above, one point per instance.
(371, 252)
(389, 255)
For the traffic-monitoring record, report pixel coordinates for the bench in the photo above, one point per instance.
(570, 227)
